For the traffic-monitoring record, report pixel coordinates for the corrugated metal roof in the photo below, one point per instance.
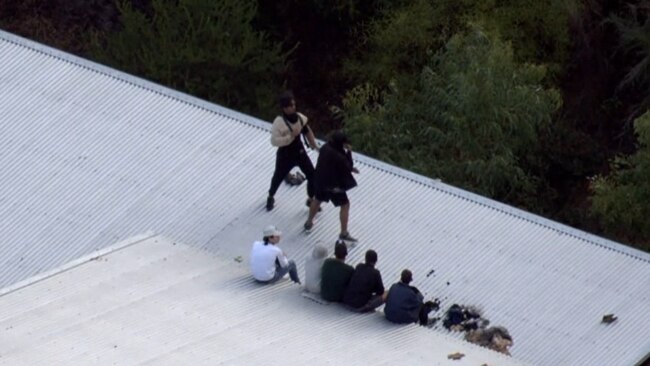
(91, 156)
(152, 301)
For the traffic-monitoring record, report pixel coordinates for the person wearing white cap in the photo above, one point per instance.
(268, 262)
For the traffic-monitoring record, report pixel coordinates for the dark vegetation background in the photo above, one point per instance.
(542, 105)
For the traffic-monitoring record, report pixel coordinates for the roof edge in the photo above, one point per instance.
(645, 361)
(78, 262)
(133, 80)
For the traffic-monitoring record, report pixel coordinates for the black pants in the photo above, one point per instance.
(285, 160)
(372, 304)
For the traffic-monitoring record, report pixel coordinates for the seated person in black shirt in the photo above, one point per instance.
(365, 291)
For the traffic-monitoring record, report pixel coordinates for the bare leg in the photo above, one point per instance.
(344, 214)
(313, 210)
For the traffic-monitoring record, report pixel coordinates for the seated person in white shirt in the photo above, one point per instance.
(268, 262)
(313, 267)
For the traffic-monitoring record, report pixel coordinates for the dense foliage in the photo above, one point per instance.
(621, 198)
(520, 100)
(204, 47)
(471, 119)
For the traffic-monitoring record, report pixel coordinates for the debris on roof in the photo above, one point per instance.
(609, 318)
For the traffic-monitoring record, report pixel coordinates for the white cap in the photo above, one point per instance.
(271, 230)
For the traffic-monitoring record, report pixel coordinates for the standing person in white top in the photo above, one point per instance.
(268, 262)
(285, 134)
(313, 267)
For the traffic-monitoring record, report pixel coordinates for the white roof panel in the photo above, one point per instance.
(92, 156)
(153, 301)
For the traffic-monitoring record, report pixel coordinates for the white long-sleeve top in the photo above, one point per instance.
(263, 258)
(280, 133)
(313, 268)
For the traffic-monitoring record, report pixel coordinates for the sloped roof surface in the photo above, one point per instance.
(153, 301)
(91, 156)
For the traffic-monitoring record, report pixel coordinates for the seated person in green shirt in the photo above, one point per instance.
(335, 274)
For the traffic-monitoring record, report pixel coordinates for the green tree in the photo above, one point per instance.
(621, 199)
(320, 34)
(538, 30)
(207, 48)
(397, 43)
(633, 29)
(58, 23)
(472, 120)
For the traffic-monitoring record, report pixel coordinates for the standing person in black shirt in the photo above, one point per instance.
(333, 178)
(365, 291)
(285, 134)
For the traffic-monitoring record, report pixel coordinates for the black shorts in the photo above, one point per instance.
(337, 198)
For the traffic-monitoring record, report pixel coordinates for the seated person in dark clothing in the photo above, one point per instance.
(404, 302)
(366, 289)
(335, 274)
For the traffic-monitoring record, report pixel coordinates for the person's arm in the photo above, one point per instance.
(311, 138)
(282, 259)
(280, 133)
(379, 285)
(307, 131)
(418, 294)
(384, 296)
(348, 156)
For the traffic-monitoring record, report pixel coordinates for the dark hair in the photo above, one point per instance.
(284, 100)
(340, 250)
(266, 240)
(338, 138)
(407, 276)
(371, 257)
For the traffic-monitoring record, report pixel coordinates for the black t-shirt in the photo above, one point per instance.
(365, 282)
(334, 169)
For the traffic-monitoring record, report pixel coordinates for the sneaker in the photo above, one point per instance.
(308, 225)
(270, 202)
(347, 237)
